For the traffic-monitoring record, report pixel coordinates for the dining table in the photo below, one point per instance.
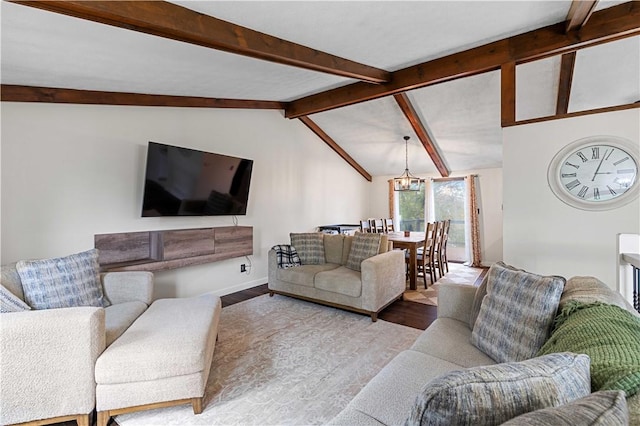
(410, 242)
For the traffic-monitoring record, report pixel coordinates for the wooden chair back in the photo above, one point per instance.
(388, 225)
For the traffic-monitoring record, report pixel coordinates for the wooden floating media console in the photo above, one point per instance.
(170, 249)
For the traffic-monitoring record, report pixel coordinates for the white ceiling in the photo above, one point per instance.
(41, 48)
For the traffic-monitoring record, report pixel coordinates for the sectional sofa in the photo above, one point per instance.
(453, 369)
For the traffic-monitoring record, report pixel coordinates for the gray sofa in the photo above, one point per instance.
(380, 281)
(445, 346)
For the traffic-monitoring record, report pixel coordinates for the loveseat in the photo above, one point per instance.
(121, 353)
(357, 273)
(444, 375)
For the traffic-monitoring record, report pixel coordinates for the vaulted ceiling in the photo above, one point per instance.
(359, 74)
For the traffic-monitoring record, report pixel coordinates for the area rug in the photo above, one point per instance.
(458, 274)
(282, 361)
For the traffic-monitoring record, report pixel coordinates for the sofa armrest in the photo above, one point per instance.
(48, 362)
(121, 287)
(455, 301)
(383, 279)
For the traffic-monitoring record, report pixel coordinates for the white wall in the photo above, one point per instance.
(541, 233)
(72, 171)
(490, 198)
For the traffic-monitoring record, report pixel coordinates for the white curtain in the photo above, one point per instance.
(429, 213)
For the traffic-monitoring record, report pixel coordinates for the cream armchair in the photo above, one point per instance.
(47, 357)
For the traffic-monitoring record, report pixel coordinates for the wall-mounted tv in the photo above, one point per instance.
(186, 182)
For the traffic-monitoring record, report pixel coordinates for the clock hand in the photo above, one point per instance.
(599, 165)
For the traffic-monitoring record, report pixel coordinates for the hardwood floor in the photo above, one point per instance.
(411, 314)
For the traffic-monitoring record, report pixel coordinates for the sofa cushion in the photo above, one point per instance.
(389, 396)
(599, 408)
(450, 339)
(118, 317)
(340, 280)
(9, 302)
(62, 282)
(363, 247)
(497, 393)
(310, 247)
(333, 245)
(286, 256)
(303, 275)
(516, 314)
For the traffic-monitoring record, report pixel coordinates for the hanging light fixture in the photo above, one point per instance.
(406, 182)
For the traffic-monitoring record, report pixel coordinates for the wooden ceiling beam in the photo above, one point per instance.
(175, 22)
(567, 65)
(507, 93)
(605, 25)
(422, 132)
(333, 145)
(579, 13)
(14, 93)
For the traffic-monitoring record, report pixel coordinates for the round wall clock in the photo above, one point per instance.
(595, 173)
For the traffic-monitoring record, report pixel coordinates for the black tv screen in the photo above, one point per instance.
(186, 182)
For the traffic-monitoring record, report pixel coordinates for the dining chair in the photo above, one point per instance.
(437, 247)
(425, 256)
(388, 225)
(364, 226)
(376, 225)
(442, 258)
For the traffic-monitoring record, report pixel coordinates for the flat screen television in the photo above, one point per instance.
(186, 182)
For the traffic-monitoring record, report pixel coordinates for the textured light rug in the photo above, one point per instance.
(282, 361)
(458, 274)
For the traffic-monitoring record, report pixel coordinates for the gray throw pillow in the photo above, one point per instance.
(62, 282)
(491, 395)
(310, 247)
(9, 302)
(604, 408)
(516, 315)
(363, 247)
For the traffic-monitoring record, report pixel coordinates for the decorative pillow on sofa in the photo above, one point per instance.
(62, 282)
(604, 408)
(516, 315)
(491, 395)
(363, 247)
(9, 302)
(310, 247)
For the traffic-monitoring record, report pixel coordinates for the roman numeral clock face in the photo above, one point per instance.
(597, 173)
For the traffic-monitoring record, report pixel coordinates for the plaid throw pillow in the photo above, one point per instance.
(286, 256)
(516, 314)
(62, 282)
(9, 302)
(363, 247)
(310, 247)
(491, 395)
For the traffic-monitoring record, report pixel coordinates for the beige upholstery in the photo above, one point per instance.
(380, 281)
(48, 357)
(445, 346)
(165, 356)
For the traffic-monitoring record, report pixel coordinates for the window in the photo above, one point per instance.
(448, 203)
(411, 209)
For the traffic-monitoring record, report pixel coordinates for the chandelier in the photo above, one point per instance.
(406, 182)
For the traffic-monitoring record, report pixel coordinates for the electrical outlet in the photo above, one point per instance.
(243, 268)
